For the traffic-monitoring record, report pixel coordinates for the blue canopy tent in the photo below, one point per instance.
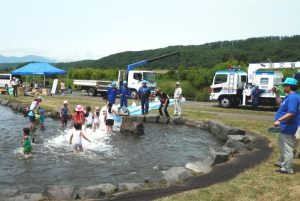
(38, 69)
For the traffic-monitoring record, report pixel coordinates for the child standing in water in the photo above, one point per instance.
(88, 118)
(27, 148)
(78, 116)
(76, 137)
(109, 118)
(42, 113)
(64, 114)
(96, 119)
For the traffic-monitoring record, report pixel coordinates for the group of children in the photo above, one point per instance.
(82, 118)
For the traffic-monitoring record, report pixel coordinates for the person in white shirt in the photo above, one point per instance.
(177, 99)
(15, 84)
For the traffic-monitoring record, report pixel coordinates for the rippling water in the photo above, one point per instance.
(107, 159)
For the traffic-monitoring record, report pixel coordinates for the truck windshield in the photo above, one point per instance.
(220, 78)
(150, 77)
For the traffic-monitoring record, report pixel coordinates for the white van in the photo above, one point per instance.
(5, 80)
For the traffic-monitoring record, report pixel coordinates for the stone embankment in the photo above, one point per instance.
(234, 141)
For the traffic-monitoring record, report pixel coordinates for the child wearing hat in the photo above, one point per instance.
(64, 113)
(78, 116)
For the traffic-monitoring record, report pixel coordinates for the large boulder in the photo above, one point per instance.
(219, 157)
(198, 167)
(5, 102)
(152, 118)
(63, 192)
(236, 131)
(241, 138)
(55, 114)
(178, 121)
(15, 106)
(163, 119)
(175, 174)
(132, 125)
(192, 123)
(130, 186)
(237, 145)
(220, 130)
(98, 191)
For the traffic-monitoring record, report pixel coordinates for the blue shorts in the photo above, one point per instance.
(42, 119)
(32, 119)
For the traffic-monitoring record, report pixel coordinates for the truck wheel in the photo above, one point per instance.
(225, 102)
(133, 94)
(91, 92)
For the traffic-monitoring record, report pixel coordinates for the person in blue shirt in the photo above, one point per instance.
(112, 93)
(255, 96)
(124, 94)
(287, 118)
(143, 95)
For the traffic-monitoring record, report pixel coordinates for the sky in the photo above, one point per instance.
(72, 30)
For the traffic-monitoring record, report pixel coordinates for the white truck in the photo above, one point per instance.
(5, 80)
(233, 87)
(133, 77)
(134, 82)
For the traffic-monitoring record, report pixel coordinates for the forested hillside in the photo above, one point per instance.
(207, 55)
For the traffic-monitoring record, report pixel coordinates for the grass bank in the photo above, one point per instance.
(258, 183)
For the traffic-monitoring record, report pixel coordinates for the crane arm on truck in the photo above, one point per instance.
(143, 62)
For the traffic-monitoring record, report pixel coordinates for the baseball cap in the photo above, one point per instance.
(290, 81)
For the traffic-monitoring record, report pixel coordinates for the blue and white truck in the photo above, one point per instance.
(234, 87)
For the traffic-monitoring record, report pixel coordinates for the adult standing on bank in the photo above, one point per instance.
(144, 93)
(287, 118)
(177, 99)
(124, 92)
(62, 87)
(15, 84)
(112, 93)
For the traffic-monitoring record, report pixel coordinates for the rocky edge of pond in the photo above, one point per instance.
(234, 141)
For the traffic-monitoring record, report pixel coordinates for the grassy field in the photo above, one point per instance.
(258, 183)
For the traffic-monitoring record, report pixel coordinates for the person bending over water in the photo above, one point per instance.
(76, 138)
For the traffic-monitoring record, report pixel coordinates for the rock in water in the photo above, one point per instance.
(132, 125)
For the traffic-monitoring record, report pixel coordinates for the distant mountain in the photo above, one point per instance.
(28, 58)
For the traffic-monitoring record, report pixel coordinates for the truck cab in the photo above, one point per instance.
(227, 87)
(134, 80)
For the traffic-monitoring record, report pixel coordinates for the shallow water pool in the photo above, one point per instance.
(112, 158)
